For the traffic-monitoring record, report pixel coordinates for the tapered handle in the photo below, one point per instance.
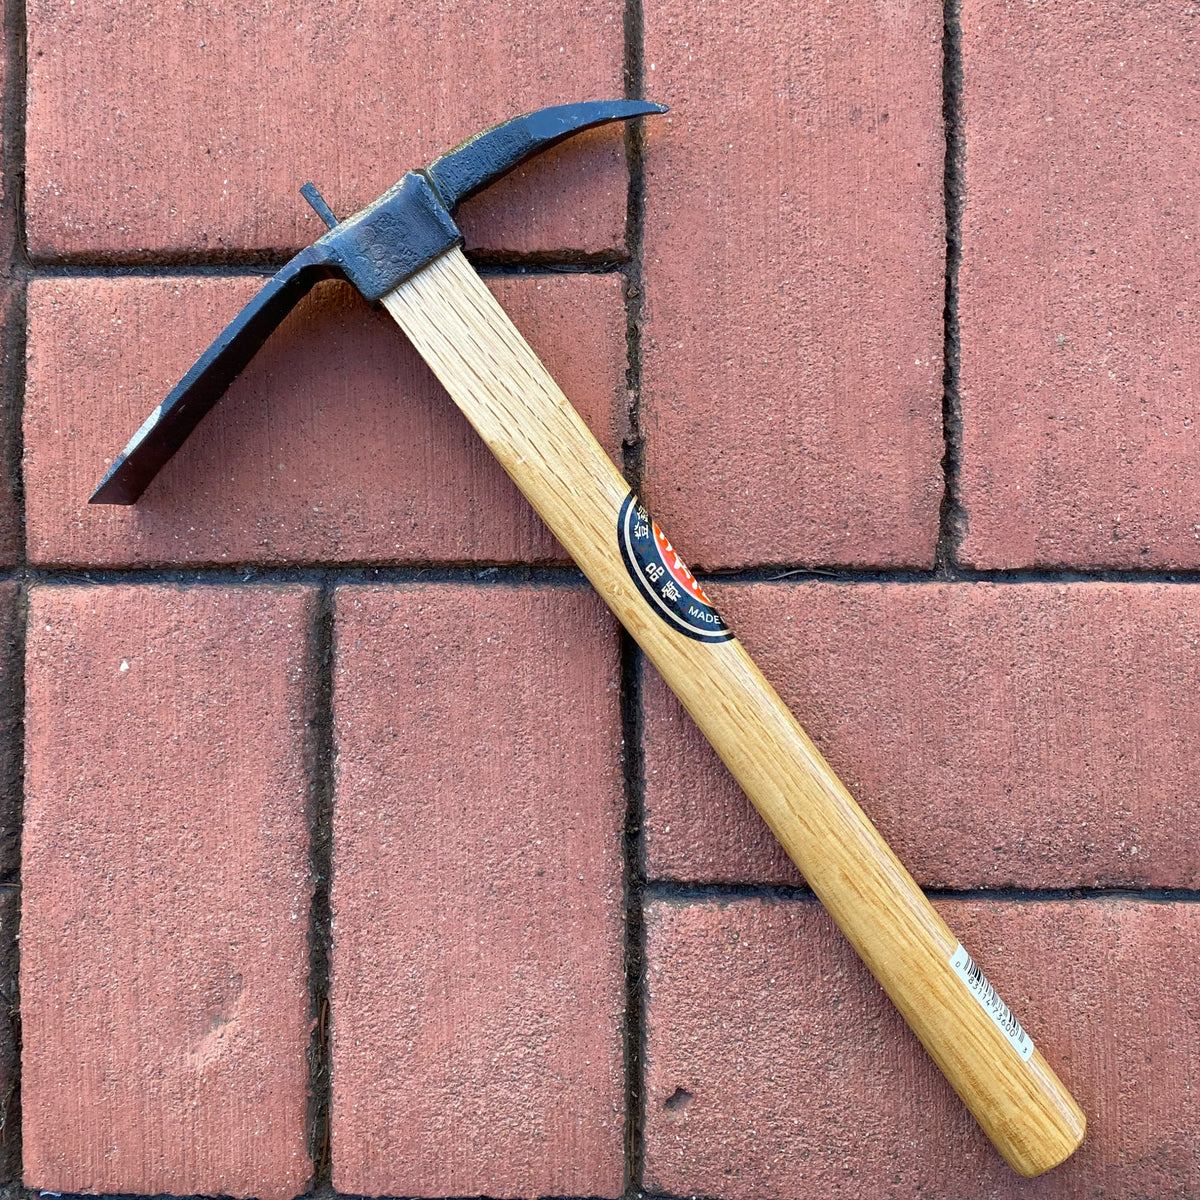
(526, 421)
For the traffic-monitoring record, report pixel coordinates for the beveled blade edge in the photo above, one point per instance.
(168, 426)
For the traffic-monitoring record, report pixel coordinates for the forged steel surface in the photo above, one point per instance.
(377, 249)
(481, 160)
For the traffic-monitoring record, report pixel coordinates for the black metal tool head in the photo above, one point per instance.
(377, 249)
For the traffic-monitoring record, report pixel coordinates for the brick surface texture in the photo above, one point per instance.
(999, 736)
(775, 1065)
(336, 444)
(347, 848)
(203, 123)
(794, 260)
(477, 965)
(166, 891)
(1079, 276)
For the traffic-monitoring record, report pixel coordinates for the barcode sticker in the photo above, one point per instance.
(965, 968)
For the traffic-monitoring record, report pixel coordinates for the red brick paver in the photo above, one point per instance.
(167, 128)
(1080, 354)
(794, 264)
(166, 891)
(789, 394)
(335, 444)
(777, 1067)
(1040, 735)
(477, 990)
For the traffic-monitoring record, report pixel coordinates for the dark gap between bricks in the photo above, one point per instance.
(547, 575)
(632, 713)
(12, 702)
(256, 263)
(952, 521)
(320, 768)
(683, 893)
(12, 733)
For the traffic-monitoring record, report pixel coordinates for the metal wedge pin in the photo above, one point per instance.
(404, 251)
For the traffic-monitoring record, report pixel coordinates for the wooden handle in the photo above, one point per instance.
(526, 421)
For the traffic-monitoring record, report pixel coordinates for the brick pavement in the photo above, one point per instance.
(352, 847)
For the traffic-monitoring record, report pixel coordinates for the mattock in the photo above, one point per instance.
(405, 251)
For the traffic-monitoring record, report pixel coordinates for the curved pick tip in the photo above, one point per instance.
(481, 160)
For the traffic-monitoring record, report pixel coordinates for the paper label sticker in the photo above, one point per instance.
(965, 968)
(672, 591)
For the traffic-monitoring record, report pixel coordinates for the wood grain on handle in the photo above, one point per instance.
(511, 400)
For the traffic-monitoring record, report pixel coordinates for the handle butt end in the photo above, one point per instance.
(1058, 1133)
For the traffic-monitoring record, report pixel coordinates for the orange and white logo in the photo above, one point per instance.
(663, 578)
